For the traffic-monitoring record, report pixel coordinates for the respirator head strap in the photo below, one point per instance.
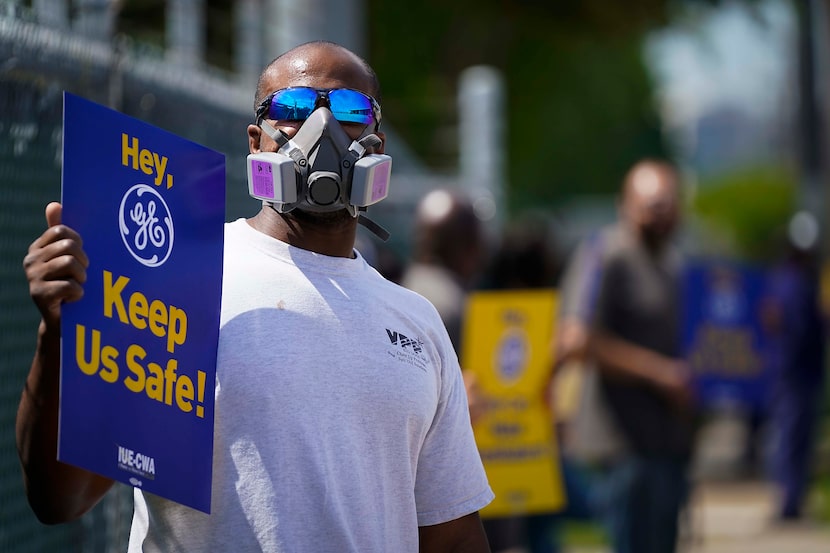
(358, 147)
(277, 135)
(375, 228)
(286, 146)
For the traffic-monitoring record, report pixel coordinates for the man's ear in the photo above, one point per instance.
(382, 135)
(254, 139)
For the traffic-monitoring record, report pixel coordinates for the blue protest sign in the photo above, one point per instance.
(723, 334)
(138, 351)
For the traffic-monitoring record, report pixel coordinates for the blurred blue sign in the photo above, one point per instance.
(723, 336)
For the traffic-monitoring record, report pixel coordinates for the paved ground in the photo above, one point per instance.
(737, 517)
(732, 514)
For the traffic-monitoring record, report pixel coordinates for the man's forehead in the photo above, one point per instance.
(646, 181)
(650, 181)
(319, 68)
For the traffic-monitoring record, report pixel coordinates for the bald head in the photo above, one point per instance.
(310, 63)
(651, 201)
(448, 233)
(318, 65)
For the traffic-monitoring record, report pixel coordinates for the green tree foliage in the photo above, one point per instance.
(579, 98)
(749, 207)
(585, 115)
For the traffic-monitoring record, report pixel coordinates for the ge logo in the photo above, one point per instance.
(146, 225)
(512, 355)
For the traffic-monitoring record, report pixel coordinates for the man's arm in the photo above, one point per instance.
(620, 358)
(56, 270)
(462, 535)
(577, 292)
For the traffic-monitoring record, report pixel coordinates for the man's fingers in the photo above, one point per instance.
(54, 213)
(56, 291)
(55, 242)
(54, 262)
(60, 273)
(55, 266)
(55, 274)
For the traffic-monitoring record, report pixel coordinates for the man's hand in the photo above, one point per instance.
(56, 270)
(674, 380)
(475, 400)
(55, 267)
(670, 376)
(571, 341)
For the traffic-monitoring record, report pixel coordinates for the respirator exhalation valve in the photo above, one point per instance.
(323, 188)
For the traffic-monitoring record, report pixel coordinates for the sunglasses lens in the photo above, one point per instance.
(296, 104)
(292, 104)
(350, 106)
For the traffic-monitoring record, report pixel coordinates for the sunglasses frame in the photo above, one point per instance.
(323, 99)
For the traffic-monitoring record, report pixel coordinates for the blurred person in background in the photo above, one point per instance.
(634, 341)
(797, 330)
(526, 259)
(448, 255)
(448, 258)
(448, 262)
(588, 438)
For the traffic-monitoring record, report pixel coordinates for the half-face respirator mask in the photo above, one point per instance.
(320, 169)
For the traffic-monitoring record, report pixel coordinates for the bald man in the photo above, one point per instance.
(447, 256)
(624, 317)
(341, 420)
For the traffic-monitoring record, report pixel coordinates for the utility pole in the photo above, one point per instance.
(482, 142)
(810, 121)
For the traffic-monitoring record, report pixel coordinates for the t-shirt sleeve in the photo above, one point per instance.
(578, 287)
(450, 480)
(572, 285)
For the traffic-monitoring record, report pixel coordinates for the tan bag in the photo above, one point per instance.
(590, 433)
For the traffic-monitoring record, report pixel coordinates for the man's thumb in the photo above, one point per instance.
(53, 214)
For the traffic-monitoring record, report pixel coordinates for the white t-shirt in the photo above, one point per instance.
(341, 416)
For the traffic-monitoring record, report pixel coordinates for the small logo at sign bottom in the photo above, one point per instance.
(137, 463)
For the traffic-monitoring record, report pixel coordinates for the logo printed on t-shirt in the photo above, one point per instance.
(409, 350)
(405, 342)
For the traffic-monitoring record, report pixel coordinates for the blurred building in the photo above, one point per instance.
(727, 137)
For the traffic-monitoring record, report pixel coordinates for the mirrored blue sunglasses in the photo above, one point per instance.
(296, 104)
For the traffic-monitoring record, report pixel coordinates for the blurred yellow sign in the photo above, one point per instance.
(507, 344)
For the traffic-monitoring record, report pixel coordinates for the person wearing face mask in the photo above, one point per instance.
(341, 418)
(448, 255)
(629, 331)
